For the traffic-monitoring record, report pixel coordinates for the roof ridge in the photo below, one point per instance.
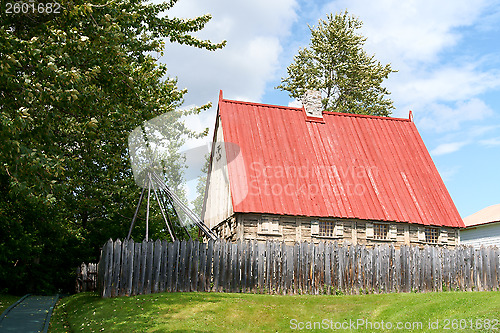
(345, 114)
(333, 113)
(262, 104)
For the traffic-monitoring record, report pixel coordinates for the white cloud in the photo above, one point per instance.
(449, 173)
(456, 140)
(253, 30)
(447, 148)
(413, 30)
(447, 84)
(442, 118)
(295, 103)
(437, 78)
(492, 142)
(478, 131)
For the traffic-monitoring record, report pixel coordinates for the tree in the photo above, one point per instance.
(73, 84)
(336, 64)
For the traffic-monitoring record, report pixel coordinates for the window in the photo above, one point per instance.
(431, 235)
(269, 225)
(326, 228)
(380, 230)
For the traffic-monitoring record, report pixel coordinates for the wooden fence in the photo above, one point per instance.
(128, 268)
(86, 277)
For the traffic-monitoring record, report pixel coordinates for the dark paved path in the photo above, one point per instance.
(30, 314)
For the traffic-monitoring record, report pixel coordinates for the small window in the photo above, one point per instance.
(380, 230)
(326, 228)
(269, 225)
(431, 235)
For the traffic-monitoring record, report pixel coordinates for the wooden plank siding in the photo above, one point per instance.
(483, 234)
(293, 229)
(127, 268)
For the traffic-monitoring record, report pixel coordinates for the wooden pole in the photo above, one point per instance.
(147, 210)
(137, 210)
(163, 214)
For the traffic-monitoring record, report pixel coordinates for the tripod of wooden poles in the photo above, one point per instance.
(166, 198)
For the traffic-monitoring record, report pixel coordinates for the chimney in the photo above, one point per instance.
(312, 103)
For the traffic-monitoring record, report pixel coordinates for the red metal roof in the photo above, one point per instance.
(344, 165)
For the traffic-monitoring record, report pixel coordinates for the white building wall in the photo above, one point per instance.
(218, 204)
(487, 234)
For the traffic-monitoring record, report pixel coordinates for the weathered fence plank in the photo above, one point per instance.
(155, 274)
(227, 267)
(216, 267)
(117, 252)
(208, 265)
(164, 266)
(254, 269)
(108, 268)
(86, 277)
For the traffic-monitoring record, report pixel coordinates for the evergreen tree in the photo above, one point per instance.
(335, 63)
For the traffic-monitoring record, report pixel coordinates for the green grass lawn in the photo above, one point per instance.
(6, 301)
(219, 312)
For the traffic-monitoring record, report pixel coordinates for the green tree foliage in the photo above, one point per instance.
(73, 85)
(336, 64)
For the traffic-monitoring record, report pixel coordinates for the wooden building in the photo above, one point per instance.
(482, 228)
(300, 174)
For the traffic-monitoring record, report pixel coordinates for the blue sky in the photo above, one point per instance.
(447, 54)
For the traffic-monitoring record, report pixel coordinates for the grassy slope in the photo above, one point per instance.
(6, 301)
(218, 312)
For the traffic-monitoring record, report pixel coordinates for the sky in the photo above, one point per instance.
(447, 54)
